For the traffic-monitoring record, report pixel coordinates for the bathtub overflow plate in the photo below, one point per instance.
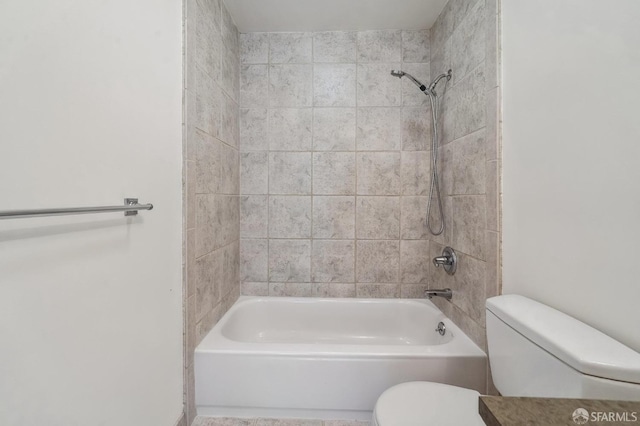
(441, 328)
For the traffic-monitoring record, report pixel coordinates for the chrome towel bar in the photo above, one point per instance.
(130, 208)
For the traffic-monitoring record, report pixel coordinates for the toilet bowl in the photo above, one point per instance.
(534, 351)
(427, 403)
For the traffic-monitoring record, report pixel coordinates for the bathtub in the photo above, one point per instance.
(326, 358)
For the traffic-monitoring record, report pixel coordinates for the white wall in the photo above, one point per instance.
(90, 306)
(571, 71)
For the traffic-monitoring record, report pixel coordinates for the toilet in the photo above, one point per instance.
(535, 351)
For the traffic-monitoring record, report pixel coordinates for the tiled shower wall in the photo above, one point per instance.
(211, 174)
(465, 38)
(334, 164)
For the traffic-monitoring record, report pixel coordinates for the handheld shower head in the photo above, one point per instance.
(400, 74)
(434, 83)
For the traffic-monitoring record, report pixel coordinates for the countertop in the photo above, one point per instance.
(511, 411)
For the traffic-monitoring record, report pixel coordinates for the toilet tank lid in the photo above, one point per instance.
(580, 346)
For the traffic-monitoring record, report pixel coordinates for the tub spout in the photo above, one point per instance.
(445, 293)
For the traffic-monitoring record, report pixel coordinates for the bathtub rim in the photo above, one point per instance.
(216, 342)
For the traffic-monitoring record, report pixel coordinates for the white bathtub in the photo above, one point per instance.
(326, 358)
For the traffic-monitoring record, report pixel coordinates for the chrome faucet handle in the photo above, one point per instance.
(448, 260)
(442, 260)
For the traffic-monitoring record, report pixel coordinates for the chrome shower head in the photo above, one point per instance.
(400, 74)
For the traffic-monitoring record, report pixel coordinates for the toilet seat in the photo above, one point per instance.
(427, 403)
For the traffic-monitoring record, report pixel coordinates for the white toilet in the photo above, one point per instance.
(535, 351)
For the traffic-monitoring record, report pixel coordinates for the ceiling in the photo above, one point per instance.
(325, 15)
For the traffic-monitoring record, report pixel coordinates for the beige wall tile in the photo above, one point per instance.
(289, 216)
(254, 86)
(378, 218)
(469, 225)
(414, 261)
(290, 289)
(380, 46)
(334, 46)
(333, 290)
(470, 103)
(290, 85)
(334, 173)
(290, 261)
(334, 217)
(385, 291)
(254, 172)
(376, 87)
(290, 129)
(334, 129)
(333, 261)
(468, 42)
(468, 165)
(379, 129)
(378, 173)
(254, 129)
(254, 48)
(290, 48)
(254, 289)
(416, 46)
(289, 173)
(415, 172)
(254, 260)
(416, 128)
(254, 216)
(377, 262)
(334, 85)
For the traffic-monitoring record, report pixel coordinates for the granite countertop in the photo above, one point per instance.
(510, 411)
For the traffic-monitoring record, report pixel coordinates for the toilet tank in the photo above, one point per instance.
(537, 351)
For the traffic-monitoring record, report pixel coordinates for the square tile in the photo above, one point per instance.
(289, 216)
(254, 48)
(333, 261)
(254, 216)
(380, 46)
(416, 129)
(377, 261)
(379, 129)
(290, 129)
(378, 218)
(254, 129)
(334, 129)
(376, 86)
(416, 46)
(290, 261)
(254, 86)
(254, 260)
(334, 85)
(254, 172)
(290, 173)
(290, 48)
(380, 291)
(290, 290)
(290, 85)
(334, 46)
(378, 173)
(416, 172)
(334, 173)
(468, 166)
(334, 217)
(470, 224)
(414, 261)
